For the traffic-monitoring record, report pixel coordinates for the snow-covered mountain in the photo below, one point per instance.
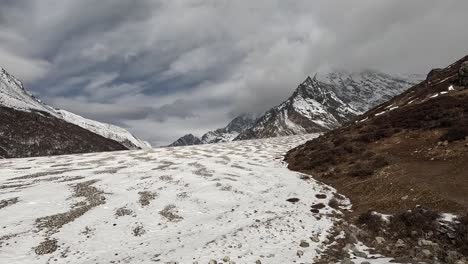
(106, 130)
(187, 140)
(14, 95)
(226, 134)
(326, 101)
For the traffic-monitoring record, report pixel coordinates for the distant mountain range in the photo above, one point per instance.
(226, 134)
(320, 103)
(30, 127)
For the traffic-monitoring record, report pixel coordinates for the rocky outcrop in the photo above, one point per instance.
(463, 74)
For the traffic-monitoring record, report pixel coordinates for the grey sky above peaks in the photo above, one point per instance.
(166, 68)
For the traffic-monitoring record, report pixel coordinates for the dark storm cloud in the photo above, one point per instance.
(166, 68)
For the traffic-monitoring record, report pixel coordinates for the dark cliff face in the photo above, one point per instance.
(34, 133)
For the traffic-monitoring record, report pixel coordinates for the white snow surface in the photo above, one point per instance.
(228, 199)
(14, 95)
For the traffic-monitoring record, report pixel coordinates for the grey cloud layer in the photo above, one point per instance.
(165, 68)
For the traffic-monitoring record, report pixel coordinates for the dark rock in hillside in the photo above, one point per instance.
(187, 140)
(463, 73)
(34, 133)
(433, 72)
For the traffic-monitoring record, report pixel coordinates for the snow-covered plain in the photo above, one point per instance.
(166, 205)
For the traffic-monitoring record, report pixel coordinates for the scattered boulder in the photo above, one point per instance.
(379, 240)
(433, 73)
(226, 259)
(293, 200)
(213, 262)
(304, 244)
(347, 261)
(453, 257)
(426, 253)
(300, 253)
(318, 206)
(321, 196)
(400, 244)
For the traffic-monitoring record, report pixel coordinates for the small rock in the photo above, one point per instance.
(400, 244)
(365, 262)
(347, 261)
(213, 262)
(292, 200)
(380, 240)
(315, 238)
(226, 259)
(426, 243)
(360, 254)
(426, 253)
(304, 244)
(300, 253)
(453, 257)
(258, 261)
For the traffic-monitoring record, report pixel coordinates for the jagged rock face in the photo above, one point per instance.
(187, 140)
(228, 133)
(32, 133)
(326, 102)
(14, 95)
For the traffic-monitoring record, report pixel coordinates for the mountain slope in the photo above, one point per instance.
(406, 159)
(326, 101)
(226, 134)
(419, 138)
(33, 133)
(13, 95)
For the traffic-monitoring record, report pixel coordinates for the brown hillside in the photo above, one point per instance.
(30, 134)
(412, 150)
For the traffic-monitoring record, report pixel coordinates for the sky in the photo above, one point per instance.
(162, 69)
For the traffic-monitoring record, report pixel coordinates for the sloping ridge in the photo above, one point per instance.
(409, 151)
(33, 133)
(32, 128)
